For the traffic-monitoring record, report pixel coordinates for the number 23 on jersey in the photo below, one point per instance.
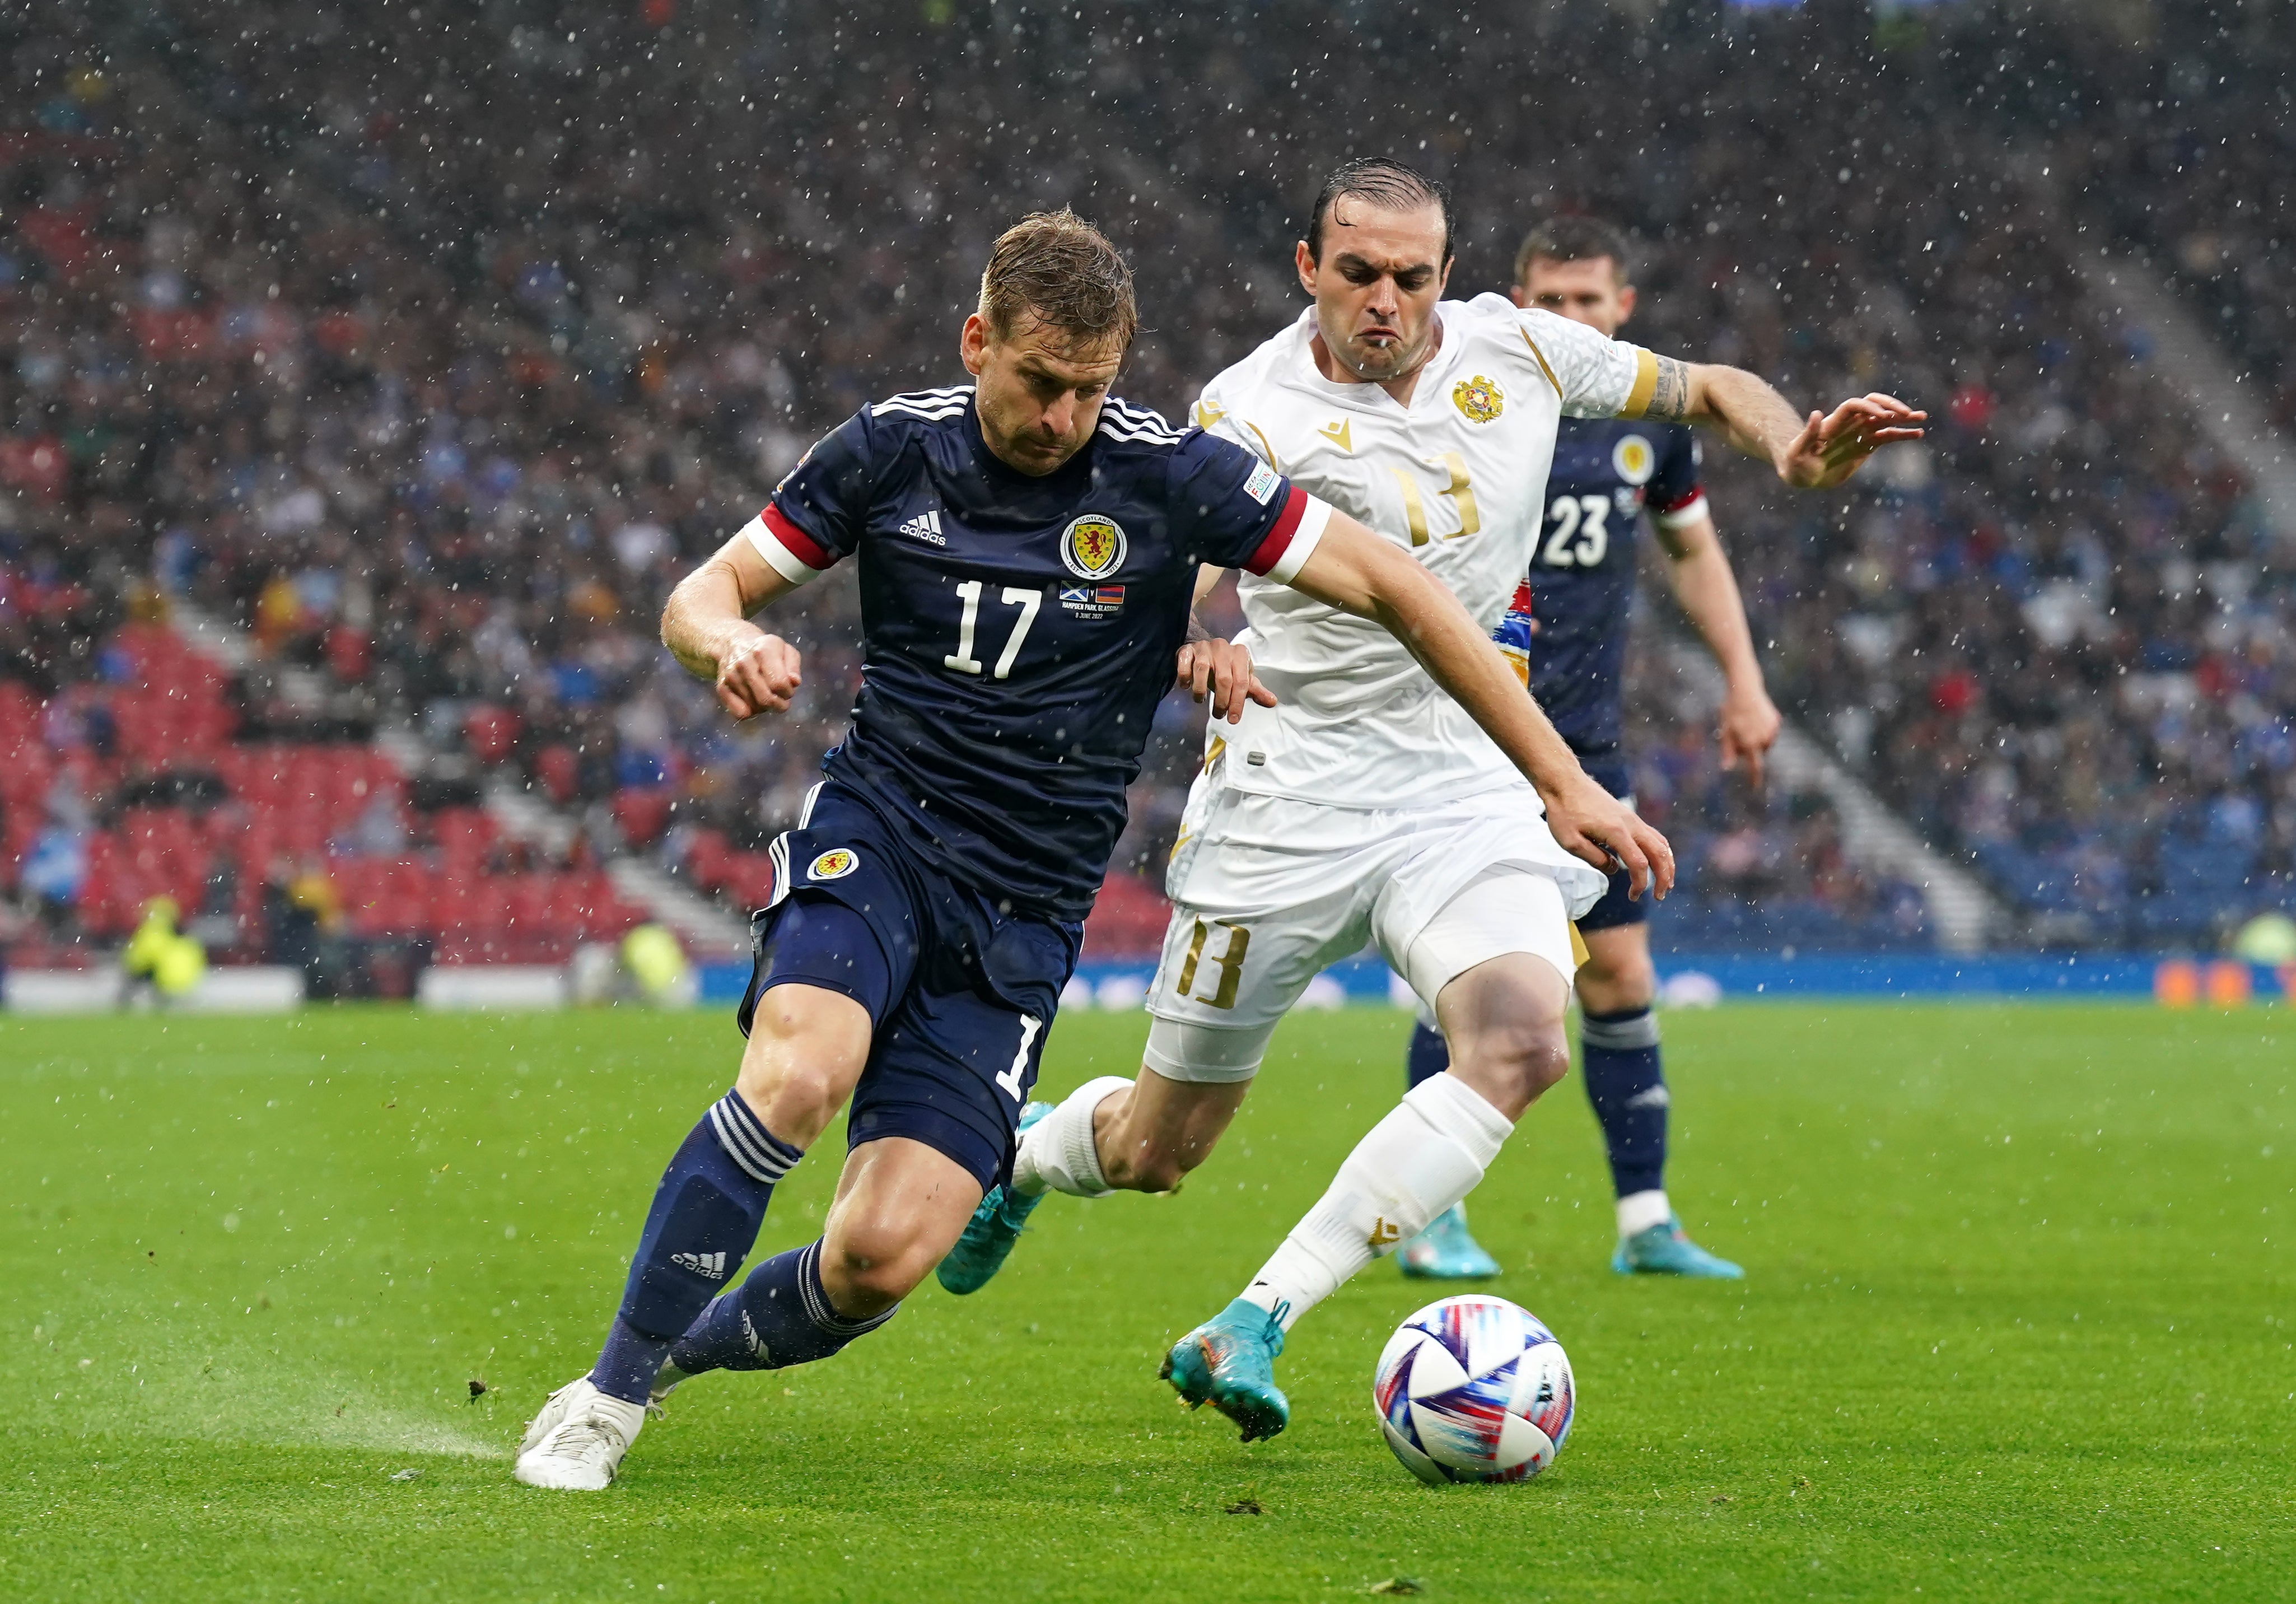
(1578, 532)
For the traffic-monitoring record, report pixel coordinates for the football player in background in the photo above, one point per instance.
(1567, 630)
(1029, 549)
(1358, 804)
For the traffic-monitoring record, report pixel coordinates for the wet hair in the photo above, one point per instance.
(1060, 267)
(1381, 183)
(1573, 240)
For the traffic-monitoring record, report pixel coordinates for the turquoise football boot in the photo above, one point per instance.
(1229, 1362)
(1445, 1252)
(1665, 1250)
(995, 1226)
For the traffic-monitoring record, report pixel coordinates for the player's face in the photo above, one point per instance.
(1376, 288)
(1038, 392)
(1584, 291)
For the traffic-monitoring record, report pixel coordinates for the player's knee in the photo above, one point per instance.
(806, 1050)
(1523, 1058)
(795, 1098)
(876, 1260)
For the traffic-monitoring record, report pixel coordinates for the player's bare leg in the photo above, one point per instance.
(900, 1205)
(1149, 1135)
(806, 1051)
(1506, 1017)
(1110, 1135)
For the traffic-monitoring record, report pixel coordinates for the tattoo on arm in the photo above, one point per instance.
(1670, 396)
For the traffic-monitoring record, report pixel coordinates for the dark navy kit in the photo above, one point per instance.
(1018, 633)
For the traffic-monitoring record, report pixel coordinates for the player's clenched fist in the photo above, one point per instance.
(758, 675)
(1591, 824)
(1221, 671)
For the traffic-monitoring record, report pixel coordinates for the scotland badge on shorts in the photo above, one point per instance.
(835, 864)
(1093, 547)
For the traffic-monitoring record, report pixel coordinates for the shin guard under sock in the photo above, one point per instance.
(703, 1221)
(1425, 1157)
(779, 1317)
(1628, 1087)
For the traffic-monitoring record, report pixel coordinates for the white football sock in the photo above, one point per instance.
(1058, 1153)
(1639, 1211)
(1425, 1157)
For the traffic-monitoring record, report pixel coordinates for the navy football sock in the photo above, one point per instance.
(1428, 1056)
(779, 1317)
(1628, 1090)
(703, 1222)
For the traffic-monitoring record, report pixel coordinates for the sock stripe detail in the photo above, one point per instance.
(747, 1143)
(1619, 1032)
(815, 1298)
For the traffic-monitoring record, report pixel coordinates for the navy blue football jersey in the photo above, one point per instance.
(1607, 473)
(1018, 632)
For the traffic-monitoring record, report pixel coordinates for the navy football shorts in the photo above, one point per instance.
(960, 994)
(1616, 908)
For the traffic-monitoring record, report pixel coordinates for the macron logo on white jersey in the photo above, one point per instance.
(924, 526)
(711, 1265)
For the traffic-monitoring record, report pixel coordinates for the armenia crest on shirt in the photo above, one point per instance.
(1479, 398)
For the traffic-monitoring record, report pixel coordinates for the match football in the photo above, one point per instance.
(960, 800)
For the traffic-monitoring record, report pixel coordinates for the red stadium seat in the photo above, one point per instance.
(644, 812)
(555, 767)
(490, 732)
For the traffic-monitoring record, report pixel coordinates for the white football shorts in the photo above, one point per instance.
(1268, 892)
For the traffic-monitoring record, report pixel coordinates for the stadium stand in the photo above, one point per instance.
(433, 397)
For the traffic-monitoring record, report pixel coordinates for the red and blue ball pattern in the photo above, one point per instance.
(1474, 1389)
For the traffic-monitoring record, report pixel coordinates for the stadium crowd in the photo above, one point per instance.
(359, 340)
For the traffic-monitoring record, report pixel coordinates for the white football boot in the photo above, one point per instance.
(577, 1442)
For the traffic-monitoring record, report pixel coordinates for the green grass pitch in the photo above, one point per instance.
(2019, 1325)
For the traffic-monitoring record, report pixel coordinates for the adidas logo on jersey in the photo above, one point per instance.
(924, 526)
(710, 1265)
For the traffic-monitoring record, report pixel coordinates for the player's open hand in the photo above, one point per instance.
(1832, 446)
(1220, 671)
(760, 675)
(1592, 825)
(1747, 731)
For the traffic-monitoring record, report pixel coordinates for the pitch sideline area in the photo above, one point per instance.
(2019, 1323)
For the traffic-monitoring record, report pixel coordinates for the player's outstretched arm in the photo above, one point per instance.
(1354, 570)
(1813, 454)
(706, 626)
(1708, 590)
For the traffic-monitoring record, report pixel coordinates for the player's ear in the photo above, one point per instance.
(1304, 260)
(1518, 295)
(973, 342)
(1626, 301)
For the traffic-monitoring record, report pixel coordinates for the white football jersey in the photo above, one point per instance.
(1459, 480)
